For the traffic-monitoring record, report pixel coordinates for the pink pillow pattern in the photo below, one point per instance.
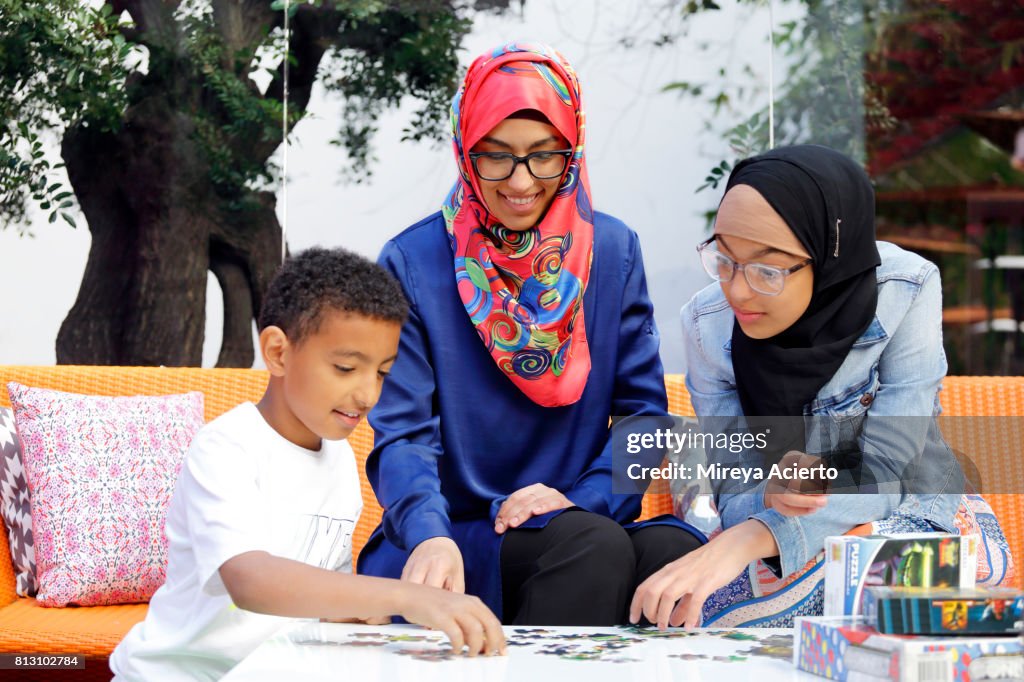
(100, 473)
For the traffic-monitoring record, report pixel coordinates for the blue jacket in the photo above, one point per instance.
(895, 369)
(454, 437)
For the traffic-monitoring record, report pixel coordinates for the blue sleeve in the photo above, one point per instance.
(639, 390)
(402, 467)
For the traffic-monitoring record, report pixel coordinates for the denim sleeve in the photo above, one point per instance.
(903, 439)
(639, 391)
(910, 373)
(713, 396)
(402, 467)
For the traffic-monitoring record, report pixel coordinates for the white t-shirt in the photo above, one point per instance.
(243, 487)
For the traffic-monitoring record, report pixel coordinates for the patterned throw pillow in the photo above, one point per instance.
(14, 506)
(100, 473)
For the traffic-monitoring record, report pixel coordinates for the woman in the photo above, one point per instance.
(530, 327)
(811, 317)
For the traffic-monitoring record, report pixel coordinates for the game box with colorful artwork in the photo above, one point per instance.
(944, 611)
(848, 649)
(908, 560)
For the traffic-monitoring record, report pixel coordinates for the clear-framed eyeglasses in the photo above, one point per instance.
(764, 279)
(497, 166)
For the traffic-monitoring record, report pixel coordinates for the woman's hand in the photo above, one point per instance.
(676, 594)
(436, 562)
(533, 500)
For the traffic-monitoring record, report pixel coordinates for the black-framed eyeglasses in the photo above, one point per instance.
(764, 279)
(501, 165)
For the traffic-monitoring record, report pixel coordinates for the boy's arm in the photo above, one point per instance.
(263, 583)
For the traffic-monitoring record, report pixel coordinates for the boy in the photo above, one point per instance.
(261, 520)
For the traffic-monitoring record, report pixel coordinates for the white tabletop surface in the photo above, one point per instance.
(403, 653)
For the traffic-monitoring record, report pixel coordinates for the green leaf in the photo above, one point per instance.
(68, 219)
(682, 86)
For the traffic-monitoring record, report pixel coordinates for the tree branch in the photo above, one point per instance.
(154, 22)
(242, 24)
(313, 31)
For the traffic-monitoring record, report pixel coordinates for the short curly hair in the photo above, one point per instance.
(317, 280)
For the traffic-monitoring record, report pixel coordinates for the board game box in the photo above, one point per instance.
(944, 611)
(847, 649)
(909, 560)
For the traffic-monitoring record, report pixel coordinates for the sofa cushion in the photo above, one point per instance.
(100, 472)
(14, 506)
(27, 627)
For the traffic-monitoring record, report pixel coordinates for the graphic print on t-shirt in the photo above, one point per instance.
(323, 541)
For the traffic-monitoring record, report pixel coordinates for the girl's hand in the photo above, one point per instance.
(796, 496)
(533, 500)
(794, 504)
(676, 594)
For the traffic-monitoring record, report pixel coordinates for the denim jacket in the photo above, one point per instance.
(894, 369)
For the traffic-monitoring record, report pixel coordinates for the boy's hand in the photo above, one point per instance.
(463, 618)
(796, 496)
(372, 620)
(533, 500)
(436, 562)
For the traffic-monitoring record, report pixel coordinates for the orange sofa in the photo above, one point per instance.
(26, 627)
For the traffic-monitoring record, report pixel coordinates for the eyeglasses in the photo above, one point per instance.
(764, 279)
(501, 165)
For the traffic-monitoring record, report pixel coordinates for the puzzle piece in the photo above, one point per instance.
(774, 646)
(739, 636)
(690, 657)
(653, 633)
(432, 655)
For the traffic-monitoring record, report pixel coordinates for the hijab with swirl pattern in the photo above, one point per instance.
(523, 289)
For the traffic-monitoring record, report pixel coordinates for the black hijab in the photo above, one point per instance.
(828, 202)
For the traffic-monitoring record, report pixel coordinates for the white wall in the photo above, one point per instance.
(646, 154)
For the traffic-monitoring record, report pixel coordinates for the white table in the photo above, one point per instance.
(402, 653)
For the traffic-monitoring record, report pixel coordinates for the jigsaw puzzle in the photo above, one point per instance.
(623, 644)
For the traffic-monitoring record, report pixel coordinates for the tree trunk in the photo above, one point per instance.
(245, 250)
(157, 229)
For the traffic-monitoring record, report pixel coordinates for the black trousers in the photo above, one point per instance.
(582, 568)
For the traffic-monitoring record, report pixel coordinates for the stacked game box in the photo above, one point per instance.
(944, 611)
(853, 563)
(848, 649)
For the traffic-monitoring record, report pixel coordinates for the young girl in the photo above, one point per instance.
(530, 326)
(811, 317)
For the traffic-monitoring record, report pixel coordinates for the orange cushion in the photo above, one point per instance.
(26, 627)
